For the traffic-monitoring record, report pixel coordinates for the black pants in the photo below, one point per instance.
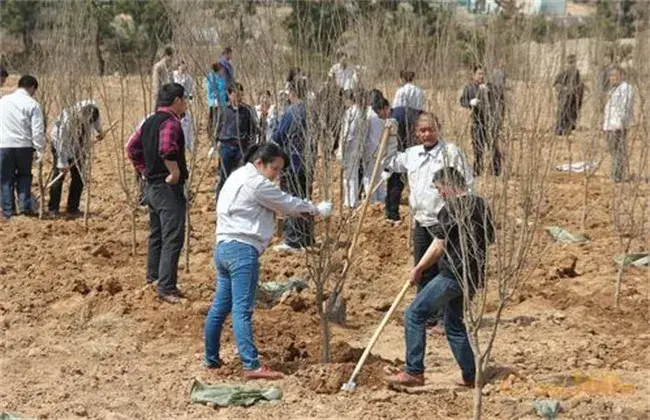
(298, 231)
(481, 139)
(394, 187)
(422, 239)
(167, 207)
(76, 189)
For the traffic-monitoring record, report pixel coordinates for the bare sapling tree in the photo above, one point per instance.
(630, 204)
(515, 201)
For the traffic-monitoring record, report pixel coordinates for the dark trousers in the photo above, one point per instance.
(481, 139)
(230, 158)
(422, 239)
(394, 187)
(167, 207)
(443, 293)
(74, 195)
(617, 146)
(298, 231)
(15, 172)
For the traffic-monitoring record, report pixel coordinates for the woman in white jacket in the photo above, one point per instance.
(246, 212)
(618, 115)
(351, 143)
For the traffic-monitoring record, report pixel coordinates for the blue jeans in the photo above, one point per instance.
(441, 292)
(15, 170)
(237, 277)
(231, 159)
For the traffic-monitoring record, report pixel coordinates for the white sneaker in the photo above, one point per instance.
(286, 248)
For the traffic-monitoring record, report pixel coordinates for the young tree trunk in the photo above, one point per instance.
(585, 204)
(324, 322)
(101, 64)
(617, 291)
(187, 240)
(134, 242)
(41, 187)
(477, 404)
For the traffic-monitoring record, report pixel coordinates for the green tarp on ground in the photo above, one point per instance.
(226, 395)
(547, 409)
(636, 259)
(563, 236)
(273, 290)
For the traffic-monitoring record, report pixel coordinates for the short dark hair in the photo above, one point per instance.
(380, 103)
(450, 177)
(28, 81)
(407, 75)
(168, 93)
(235, 87)
(227, 50)
(216, 67)
(618, 69)
(433, 117)
(169, 51)
(266, 152)
(478, 67)
(3, 72)
(374, 95)
(293, 73)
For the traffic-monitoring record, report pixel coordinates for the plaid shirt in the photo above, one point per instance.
(169, 139)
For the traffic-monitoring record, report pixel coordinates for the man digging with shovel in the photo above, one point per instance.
(462, 235)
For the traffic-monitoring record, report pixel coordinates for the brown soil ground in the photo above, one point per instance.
(81, 336)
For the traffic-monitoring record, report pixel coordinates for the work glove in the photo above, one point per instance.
(385, 175)
(474, 102)
(325, 208)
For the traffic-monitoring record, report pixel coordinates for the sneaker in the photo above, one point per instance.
(286, 248)
(406, 379)
(172, 298)
(437, 329)
(263, 372)
(469, 383)
(213, 365)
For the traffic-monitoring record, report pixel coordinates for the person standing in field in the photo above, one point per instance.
(162, 74)
(619, 111)
(183, 78)
(376, 116)
(217, 93)
(569, 90)
(72, 134)
(420, 162)
(353, 134)
(409, 95)
(479, 98)
(157, 152)
(291, 136)
(343, 75)
(21, 135)
(3, 76)
(245, 225)
(225, 60)
(461, 238)
(236, 132)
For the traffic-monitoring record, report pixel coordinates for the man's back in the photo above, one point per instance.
(465, 222)
(21, 122)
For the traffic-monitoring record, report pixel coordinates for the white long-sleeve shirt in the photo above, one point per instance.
(21, 121)
(185, 80)
(619, 108)
(420, 165)
(345, 78)
(373, 137)
(247, 206)
(410, 96)
(351, 137)
(61, 132)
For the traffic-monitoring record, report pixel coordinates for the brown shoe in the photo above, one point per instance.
(172, 298)
(264, 372)
(406, 379)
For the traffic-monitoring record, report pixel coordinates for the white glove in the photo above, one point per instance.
(385, 175)
(474, 102)
(212, 152)
(39, 156)
(325, 208)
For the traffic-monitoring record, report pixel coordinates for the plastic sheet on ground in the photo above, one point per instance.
(273, 290)
(577, 167)
(227, 395)
(4, 415)
(547, 409)
(635, 259)
(563, 236)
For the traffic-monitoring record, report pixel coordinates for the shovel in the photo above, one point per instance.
(350, 385)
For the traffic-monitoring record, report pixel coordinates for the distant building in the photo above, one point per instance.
(549, 7)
